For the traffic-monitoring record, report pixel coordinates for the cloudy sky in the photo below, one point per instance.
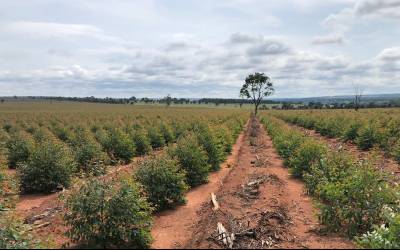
(197, 48)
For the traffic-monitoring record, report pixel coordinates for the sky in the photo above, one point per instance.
(198, 48)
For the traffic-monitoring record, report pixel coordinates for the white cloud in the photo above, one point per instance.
(49, 30)
(195, 49)
(329, 39)
(382, 8)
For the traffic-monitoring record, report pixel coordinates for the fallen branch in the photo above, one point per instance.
(214, 201)
(224, 236)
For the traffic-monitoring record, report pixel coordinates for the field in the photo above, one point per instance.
(111, 176)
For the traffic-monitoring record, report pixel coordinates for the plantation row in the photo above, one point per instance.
(354, 198)
(117, 213)
(366, 128)
(105, 212)
(47, 154)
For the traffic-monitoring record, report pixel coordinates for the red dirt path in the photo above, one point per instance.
(280, 194)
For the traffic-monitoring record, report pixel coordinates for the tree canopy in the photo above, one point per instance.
(256, 87)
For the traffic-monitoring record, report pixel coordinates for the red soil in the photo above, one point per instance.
(280, 194)
(173, 228)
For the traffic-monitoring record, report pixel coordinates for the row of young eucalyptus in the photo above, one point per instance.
(103, 211)
(366, 128)
(46, 155)
(117, 212)
(354, 197)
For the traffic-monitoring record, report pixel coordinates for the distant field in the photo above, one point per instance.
(54, 106)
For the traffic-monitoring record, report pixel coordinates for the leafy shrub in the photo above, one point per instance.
(119, 146)
(163, 181)
(193, 159)
(62, 133)
(332, 168)
(19, 150)
(142, 143)
(7, 127)
(109, 216)
(48, 168)
(351, 132)
(224, 139)
(355, 203)
(42, 135)
(13, 234)
(178, 129)
(167, 133)
(88, 153)
(385, 236)
(367, 137)
(156, 138)
(396, 152)
(209, 143)
(286, 144)
(305, 155)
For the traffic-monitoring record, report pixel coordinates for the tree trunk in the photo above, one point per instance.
(256, 109)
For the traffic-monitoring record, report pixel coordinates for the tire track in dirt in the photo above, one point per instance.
(274, 213)
(383, 163)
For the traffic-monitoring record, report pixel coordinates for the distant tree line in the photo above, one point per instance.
(336, 105)
(231, 101)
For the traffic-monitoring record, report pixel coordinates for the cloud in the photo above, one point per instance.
(268, 47)
(376, 9)
(382, 8)
(238, 38)
(51, 30)
(329, 39)
(390, 54)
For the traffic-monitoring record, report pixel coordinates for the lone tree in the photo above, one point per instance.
(256, 87)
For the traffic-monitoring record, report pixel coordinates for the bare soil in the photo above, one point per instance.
(173, 228)
(259, 202)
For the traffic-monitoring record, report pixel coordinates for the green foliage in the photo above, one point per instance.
(156, 138)
(88, 153)
(13, 234)
(48, 168)
(142, 143)
(286, 144)
(353, 194)
(107, 215)
(193, 159)
(209, 143)
(309, 152)
(355, 203)
(19, 150)
(396, 152)
(386, 236)
(351, 132)
(62, 133)
(119, 146)
(367, 136)
(163, 181)
(332, 168)
(256, 87)
(224, 140)
(167, 133)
